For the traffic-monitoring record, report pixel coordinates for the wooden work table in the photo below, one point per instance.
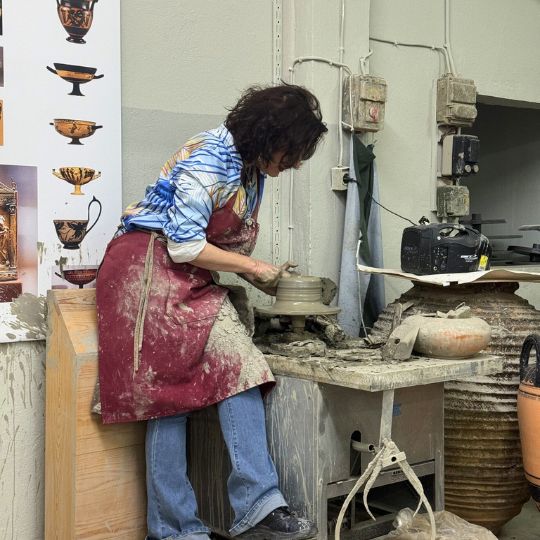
(372, 374)
(320, 406)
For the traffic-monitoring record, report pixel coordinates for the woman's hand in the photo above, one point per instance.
(265, 276)
(260, 274)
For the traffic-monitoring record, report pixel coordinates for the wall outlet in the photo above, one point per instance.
(337, 178)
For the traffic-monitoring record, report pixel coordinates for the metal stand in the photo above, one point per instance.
(388, 455)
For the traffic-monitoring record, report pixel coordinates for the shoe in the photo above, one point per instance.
(281, 523)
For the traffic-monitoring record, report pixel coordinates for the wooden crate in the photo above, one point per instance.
(94, 474)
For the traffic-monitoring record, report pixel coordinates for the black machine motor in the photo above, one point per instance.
(444, 248)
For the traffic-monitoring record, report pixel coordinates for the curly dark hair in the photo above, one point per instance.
(284, 118)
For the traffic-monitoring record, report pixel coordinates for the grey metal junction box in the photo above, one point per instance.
(456, 101)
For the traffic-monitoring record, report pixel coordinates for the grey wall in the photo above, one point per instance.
(184, 62)
(184, 65)
(494, 42)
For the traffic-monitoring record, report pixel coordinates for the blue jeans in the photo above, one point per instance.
(252, 484)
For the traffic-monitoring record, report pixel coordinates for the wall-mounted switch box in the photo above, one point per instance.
(452, 201)
(338, 174)
(365, 96)
(456, 101)
(459, 156)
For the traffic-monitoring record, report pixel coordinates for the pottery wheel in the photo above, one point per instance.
(297, 297)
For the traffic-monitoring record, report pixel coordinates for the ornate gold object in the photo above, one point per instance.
(8, 231)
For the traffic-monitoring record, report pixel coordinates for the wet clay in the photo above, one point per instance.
(298, 296)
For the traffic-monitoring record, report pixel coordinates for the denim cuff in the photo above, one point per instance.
(267, 503)
(192, 535)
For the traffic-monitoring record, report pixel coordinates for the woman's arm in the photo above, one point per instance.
(214, 258)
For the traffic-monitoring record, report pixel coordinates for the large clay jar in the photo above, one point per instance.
(528, 403)
(484, 479)
(76, 17)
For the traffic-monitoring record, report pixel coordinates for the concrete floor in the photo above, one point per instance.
(525, 526)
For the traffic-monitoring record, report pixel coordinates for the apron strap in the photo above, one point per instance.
(146, 282)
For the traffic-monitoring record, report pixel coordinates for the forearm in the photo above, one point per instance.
(214, 258)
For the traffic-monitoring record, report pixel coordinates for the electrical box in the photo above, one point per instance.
(338, 178)
(456, 101)
(452, 201)
(459, 155)
(365, 96)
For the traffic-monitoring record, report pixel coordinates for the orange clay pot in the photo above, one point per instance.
(528, 406)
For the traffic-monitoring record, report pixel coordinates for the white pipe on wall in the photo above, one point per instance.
(341, 67)
(340, 97)
(436, 48)
(447, 46)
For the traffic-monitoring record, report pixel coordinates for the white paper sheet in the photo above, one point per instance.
(497, 274)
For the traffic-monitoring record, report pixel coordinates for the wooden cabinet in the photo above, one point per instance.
(94, 473)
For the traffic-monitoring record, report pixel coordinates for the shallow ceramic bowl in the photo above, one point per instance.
(74, 73)
(75, 129)
(79, 275)
(76, 176)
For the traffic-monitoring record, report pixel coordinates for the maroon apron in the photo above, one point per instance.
(154, 319)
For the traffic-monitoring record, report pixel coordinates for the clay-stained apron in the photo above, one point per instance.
(154, 320)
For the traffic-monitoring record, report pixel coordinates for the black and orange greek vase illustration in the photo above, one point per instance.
(76, 176)
(78, 275)
(74, 129)
(76, 17)
(71, 232)
(76, 75)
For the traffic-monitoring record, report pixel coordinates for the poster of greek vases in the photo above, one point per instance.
(60, 148)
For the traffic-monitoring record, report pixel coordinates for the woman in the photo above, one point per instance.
(170, 341)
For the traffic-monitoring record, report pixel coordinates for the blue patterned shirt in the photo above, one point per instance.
(198, 179)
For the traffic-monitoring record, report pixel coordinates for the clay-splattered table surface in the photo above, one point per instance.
(369, 372)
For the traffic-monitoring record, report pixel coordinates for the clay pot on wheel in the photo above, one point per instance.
(76, 17)
(528, 405)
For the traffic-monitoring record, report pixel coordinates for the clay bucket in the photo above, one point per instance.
(76, 17)
(71, 232)
(528, 406)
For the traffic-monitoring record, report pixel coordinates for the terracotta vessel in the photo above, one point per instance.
(76, 17)
(484, 480)
(71, 232)
(76, 75)
(78, 275)
(452, 338)
(77, 176)
(74, 129)
(528, 404)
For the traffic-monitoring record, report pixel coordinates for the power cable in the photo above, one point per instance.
(347, 179)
